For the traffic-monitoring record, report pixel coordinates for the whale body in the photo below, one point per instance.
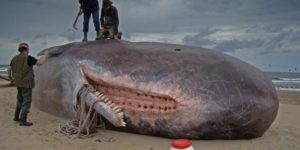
(159, 89)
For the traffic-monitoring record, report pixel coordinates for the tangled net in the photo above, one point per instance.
(87, 120)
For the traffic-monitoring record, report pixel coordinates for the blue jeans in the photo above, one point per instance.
(86, 20)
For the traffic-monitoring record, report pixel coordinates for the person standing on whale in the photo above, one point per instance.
(88, 8)
(109, 20)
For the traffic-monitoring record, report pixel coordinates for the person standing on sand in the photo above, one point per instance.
(20, 72)
(88, 8)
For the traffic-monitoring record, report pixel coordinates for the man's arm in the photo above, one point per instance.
(80, 7)
(42, 59)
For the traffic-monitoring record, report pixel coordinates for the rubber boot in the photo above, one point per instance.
(17, 114)
(84, 37)
(23, 121)
(98, 37)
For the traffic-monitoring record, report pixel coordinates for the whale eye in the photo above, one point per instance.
(177, 49)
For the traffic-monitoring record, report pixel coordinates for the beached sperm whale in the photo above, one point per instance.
(158, 89)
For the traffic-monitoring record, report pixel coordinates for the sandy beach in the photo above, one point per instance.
(284, 134)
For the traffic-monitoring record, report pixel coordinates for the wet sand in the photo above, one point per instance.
(284, 134)
(289, 97)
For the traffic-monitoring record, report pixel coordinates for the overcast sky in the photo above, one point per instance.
(264, 33)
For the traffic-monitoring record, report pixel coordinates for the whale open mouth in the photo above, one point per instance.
(113, 101)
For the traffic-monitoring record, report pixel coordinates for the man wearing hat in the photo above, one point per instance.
(20, 72)
(109, 19)
(90, 7)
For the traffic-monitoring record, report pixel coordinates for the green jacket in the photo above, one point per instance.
(22, 72)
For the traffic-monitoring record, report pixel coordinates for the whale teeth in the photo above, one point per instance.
(108, 102)
(114, 107)
(118, 110)
(123, 123)
(111, 105)
(106, 99)
(120, 114)
(97, 93)
(102, 97)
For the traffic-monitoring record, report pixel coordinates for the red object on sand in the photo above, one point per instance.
(181, 143)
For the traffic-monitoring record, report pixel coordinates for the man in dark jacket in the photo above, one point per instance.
(90, 7)
(109, 19)
(20, 72)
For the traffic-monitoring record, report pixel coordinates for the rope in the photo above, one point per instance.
(86, 122)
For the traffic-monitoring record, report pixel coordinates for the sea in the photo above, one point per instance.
(3, 71)
(287, 81)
